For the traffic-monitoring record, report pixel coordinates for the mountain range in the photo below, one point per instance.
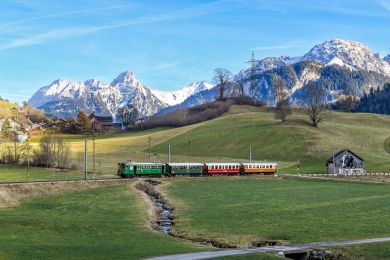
(63, 99)
(342, 67)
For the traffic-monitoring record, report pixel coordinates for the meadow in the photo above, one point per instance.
(19, 173)
(100, 223)
(228, 139)
(242, 210)
(289, 142)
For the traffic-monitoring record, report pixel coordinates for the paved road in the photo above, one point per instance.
(212, 254)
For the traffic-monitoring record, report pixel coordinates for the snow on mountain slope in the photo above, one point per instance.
(325, 62)
(172, 98)
(57, 90)
(124, 90)
(350, 54)
(353, 55)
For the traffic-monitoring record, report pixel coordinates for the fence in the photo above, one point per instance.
(345, 175)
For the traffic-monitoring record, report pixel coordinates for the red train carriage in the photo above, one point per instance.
(223, 168)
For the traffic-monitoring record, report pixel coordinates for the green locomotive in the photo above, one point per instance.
(128, 169)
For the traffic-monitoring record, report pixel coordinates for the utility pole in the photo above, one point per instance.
(235, 129)
(189, 150)
(169, 153)
(150, 152)
(250, 153)
(252, 62)
(93, 146)
(28, 161)
(85, 159)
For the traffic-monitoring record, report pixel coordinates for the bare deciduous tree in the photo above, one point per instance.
(315, 98)
(53, 151)
(240, 83)
(83, 120)
(128, 115)
(282, 95)
(222, 78)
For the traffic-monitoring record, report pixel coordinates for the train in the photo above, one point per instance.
(137, 169)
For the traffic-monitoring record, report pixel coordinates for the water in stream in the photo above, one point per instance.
(165, 221)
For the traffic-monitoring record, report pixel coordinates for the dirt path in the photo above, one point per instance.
(275, 249)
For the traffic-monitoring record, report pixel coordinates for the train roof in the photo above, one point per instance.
(144, 164)
(259, 163)
(220, 164)
(185, 164)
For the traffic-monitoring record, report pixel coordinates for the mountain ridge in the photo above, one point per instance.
(332, 63)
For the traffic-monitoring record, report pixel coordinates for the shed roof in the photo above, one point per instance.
(339, 153)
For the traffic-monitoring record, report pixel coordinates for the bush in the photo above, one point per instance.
(195, 114)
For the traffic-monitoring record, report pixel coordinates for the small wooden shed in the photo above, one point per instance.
(345, 162)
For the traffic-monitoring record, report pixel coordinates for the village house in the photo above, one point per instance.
(102, 122)
(345, 162)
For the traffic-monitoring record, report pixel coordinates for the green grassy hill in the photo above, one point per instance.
(229, 138)
(6, 109)
(284, 143)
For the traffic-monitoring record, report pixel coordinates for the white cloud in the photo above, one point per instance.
(182, 14)
(69, 13)
(276, 47)
(385, 4)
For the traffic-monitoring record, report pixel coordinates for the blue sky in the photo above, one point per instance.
(168, 44)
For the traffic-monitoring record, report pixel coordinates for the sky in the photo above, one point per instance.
(169, 44)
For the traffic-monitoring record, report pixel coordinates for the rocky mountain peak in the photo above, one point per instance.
(351, 54)
(127, 78)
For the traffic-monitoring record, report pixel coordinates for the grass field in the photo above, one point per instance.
(19, 173)
(6, 108)
(291, 210)
(101, 223)
(379, 251)
(284, 143)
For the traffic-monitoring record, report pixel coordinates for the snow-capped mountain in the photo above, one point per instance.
(65, 98)
(350, 54)
(172, 98)
(343, 68)
(353, 55)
